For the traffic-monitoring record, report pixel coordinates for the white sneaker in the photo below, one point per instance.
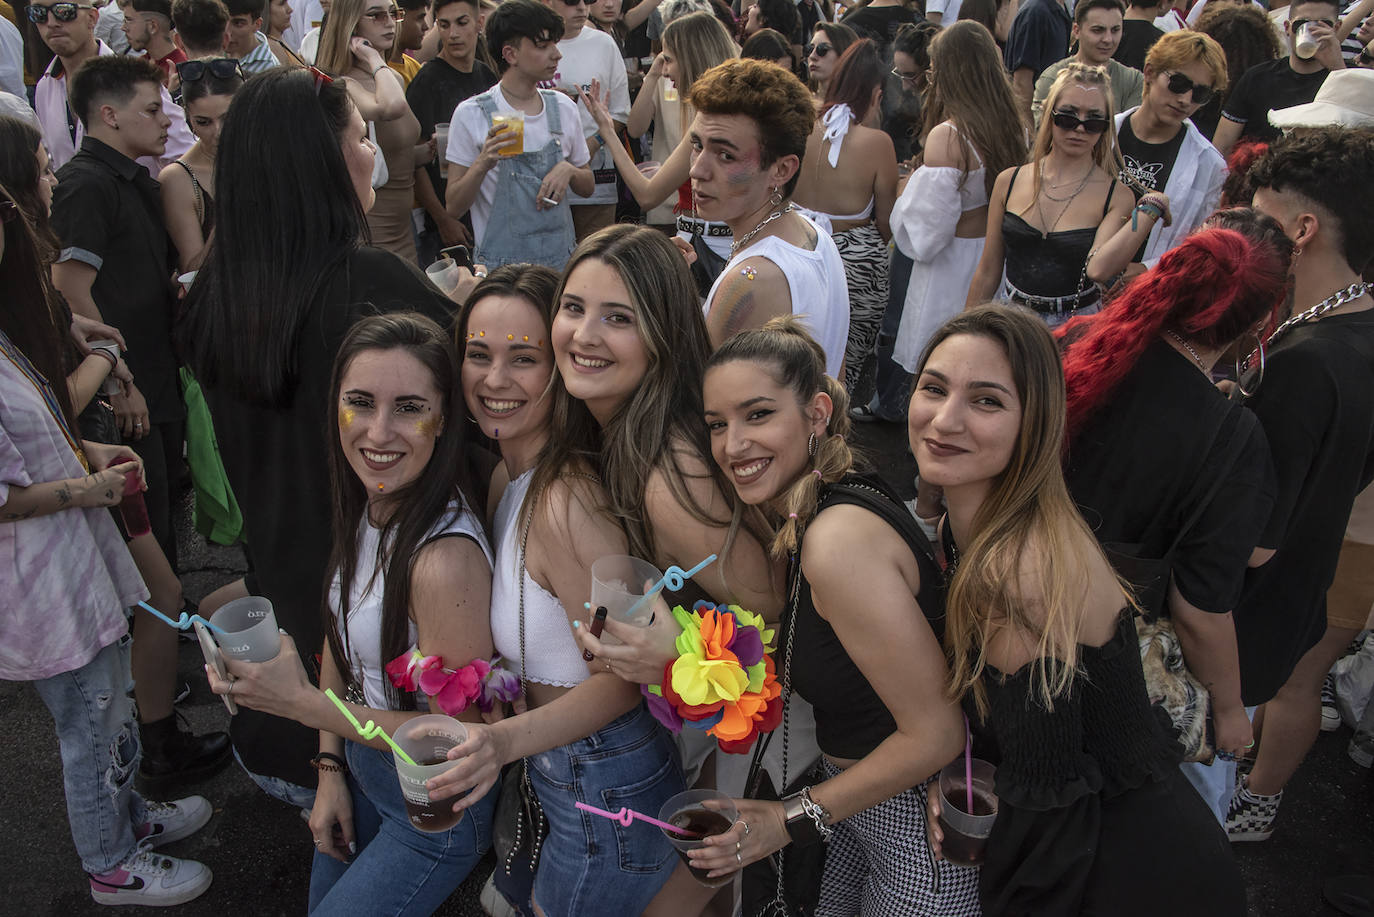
(151, 879)
(172, 821)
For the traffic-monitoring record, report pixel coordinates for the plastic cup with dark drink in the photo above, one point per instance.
(966, 833)
(247, 629)
(427, 740)
(700, 814)
(132, 509)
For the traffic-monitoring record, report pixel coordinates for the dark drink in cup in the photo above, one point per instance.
(700, 814)
(966, 833)
(958, 847)
(132, 509)
(696, 824)
(432, 816)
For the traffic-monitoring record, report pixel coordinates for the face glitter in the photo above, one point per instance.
(346, 417)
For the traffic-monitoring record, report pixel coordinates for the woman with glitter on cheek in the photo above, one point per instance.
(412, 622)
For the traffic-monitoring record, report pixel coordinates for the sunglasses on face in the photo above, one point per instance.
(1179, 84)
(62, 12)
(221, 68)
(1294, 25)
(820, 49)
(1069, 121)
(381, 17)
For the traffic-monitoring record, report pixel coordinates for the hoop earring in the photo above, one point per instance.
(775, 198)
(1244, 366)
(813, 445)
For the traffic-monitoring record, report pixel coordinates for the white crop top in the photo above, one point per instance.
(552, 656)
(364, 638)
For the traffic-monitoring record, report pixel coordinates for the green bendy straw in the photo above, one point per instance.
(371, 730)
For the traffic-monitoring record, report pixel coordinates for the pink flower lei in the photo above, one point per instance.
(454, 690)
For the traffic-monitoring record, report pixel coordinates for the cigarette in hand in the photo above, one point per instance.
(550, 201)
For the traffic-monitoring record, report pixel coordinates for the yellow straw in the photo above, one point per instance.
(371, 730)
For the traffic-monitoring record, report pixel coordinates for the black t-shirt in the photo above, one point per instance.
(1150, 164)
(1137, 38)
(275, 461)
(107, 212)
(1316, 404)
(1146, 458)
(1039, 36)
(434, 94)
(1265, 87)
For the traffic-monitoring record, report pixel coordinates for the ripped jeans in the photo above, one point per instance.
(100, 749)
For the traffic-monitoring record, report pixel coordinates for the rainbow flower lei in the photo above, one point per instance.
(723, 680)
(454, 690)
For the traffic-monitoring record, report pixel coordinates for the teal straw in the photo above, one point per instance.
(674, 578)
(183, 622)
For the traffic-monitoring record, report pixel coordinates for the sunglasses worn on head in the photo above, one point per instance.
(381, 16)
(221, 68)
(820, 49)
(1179, 84)
(1067, 121)
(62, 12)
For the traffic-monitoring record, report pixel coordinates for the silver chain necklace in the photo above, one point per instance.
(1334, 301)
(1188, 347)
(743, 240)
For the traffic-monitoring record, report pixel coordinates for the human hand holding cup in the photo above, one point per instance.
(247, 629)
(625, 585)
(958, 835)
(427, 740)
(702, 814)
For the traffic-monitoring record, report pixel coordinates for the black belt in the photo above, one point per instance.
(704, 227)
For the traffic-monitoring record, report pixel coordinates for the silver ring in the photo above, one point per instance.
(138, 426)
(746, 827)
(738, 846)
(739, 859)
(230, 692)
(479, 273)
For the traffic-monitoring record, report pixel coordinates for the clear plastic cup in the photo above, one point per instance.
(247, 629)
(650, 168)
(669, 90)
(444, 274)
(427, 740)
(186, 280)
(441, 147)
(618, 582)
(705, 813)
(966, 834)
(515, 121)
(1304, 45)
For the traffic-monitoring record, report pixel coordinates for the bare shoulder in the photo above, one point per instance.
(173, 178)
(450, 564)
(751, 292)
(847, 544)
(943, 149)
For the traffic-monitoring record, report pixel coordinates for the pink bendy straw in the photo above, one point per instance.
(968, 764)
(626, 815)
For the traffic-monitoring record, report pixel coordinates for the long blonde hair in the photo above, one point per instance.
(699, 42)
(1105, 153)
(1028, 507)
(335, 57)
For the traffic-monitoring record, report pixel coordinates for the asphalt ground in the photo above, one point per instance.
(260, 850)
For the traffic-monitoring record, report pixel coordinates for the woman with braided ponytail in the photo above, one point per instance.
(1162, 465)
(860, 636)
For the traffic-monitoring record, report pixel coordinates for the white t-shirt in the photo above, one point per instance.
(468, 134)
(593, 55)
(948, 10)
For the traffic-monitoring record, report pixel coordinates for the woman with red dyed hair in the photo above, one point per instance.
(1161, 464)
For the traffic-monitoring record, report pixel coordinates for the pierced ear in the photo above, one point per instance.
(784, 168)
(820, 409)
(108, 117)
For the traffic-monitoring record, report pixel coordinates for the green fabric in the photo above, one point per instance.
(1128, 85)
(216, 514)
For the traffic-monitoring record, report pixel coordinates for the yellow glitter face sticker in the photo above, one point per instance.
(346, 418)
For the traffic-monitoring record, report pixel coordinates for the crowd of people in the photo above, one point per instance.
(437, 304)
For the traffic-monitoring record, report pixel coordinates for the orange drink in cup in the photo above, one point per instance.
(514, 121)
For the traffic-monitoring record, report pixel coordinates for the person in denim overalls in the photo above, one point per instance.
(520, 213)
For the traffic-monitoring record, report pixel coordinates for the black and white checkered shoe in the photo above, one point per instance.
(1251, 817)
(1331, 716)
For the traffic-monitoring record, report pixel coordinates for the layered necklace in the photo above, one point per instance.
(1066, 201)
(744, 240)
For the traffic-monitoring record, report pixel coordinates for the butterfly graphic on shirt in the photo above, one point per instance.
(1147, 173)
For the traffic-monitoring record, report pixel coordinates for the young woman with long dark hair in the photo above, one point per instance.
(847, 184)
(411, 572)
(1043, 648)
(859, 637)
(286, 275)
(1162, 466)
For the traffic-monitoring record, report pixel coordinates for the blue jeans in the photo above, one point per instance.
(589, 864)
(399, 870)
(100, 749)
(889, 402)
(1215, 782)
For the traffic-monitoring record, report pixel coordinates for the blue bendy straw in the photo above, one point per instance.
(674, 578)
(183, 622)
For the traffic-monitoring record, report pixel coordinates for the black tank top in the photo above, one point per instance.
(851, 720)
(1046, 264)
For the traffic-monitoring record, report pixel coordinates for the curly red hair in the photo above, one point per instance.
(1209, 290)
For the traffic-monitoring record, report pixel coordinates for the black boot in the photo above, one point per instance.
(172, 755)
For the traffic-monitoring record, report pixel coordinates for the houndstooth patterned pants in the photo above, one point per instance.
(879, 865)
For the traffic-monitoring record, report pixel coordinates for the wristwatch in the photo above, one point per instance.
(807, 820)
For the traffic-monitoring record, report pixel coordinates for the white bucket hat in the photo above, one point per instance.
(1346, 99)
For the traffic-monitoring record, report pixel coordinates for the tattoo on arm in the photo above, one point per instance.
(64, 496)
(737, 303)
(16, 517)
